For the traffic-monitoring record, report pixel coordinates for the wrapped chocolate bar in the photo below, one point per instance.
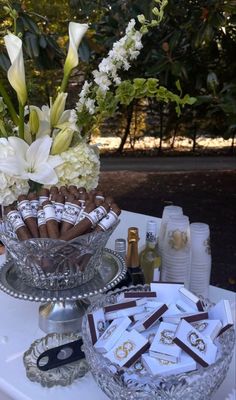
(97, 324)
(150, 319)
(222, 311)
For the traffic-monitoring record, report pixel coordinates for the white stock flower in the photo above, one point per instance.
(76, 33)
(81, 167)
(31, 162)
(10, 186)
(16, 72)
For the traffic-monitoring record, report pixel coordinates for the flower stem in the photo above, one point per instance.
(64, 83)
(9, 104)
(21, 121)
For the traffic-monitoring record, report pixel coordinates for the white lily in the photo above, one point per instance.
(76, 33)
(57, 109)
(16, 72)
(32, 162)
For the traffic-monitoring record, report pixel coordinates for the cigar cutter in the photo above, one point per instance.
(60, 355)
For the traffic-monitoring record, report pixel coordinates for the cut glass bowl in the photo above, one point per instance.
(136, 383)
(56, 264)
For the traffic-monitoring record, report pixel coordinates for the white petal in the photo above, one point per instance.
(12, 166)
(76, 32)
(19, 145)
(44, 174)
(64, 117)
(38, 152)
(16, 72)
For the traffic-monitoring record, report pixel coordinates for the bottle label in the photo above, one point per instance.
(156, 274)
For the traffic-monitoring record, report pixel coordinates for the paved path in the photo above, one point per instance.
(165, 164)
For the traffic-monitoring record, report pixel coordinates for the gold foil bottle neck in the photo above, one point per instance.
(133, 234)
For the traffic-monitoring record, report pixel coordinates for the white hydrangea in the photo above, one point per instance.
(81, 166)
(10, 186)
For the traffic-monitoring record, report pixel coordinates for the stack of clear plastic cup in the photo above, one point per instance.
(168, 211)
(201, 259)
(176, 253)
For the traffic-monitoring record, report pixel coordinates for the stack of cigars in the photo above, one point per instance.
(61, 213)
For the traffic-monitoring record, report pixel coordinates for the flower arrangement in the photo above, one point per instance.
(49, 145)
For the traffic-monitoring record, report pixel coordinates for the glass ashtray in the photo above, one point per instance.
(57, 264)
(136, 383)
(59, 376)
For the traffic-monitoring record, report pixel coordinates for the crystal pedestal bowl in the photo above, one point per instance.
(136, 383)
(55, 264)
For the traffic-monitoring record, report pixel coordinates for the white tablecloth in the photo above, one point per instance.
(19, 328)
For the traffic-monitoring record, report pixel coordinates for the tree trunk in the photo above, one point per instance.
(161, 129)
(194, 138)
(127, 128)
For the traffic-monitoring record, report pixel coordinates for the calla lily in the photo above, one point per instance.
(76, 33)
(57, 109)
(16, 72)
(62, 141)
(32, 162)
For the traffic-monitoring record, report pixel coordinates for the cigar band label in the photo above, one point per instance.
(59, 207)
(100, 197)
(34, 207)
(97, 214)
(49, 212)
(108, 221)
(81, 216)
(15, 219)
(42, 199)
(41, 217)
(70, 213)
(25, 209)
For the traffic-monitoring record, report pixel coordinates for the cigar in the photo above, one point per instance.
(18, 225)
(59, 205)
(53, 192)
(24, 207)
(63, 190)
(83, 196)
(82, 226)
(70, 214)
(43, 195)
(110, 219)
(87, 207)
(99, 198)
(43, 233)
(109, 200)
(51, 221)
(34, 202)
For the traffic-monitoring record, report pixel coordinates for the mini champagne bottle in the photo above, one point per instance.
(132, 258)
(150, 260)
